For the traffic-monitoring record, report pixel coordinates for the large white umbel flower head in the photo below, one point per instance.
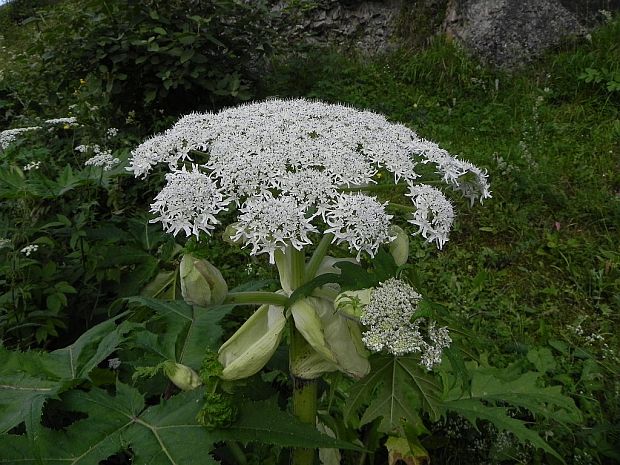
(289, 166)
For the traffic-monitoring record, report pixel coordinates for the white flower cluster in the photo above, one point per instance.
(189, 202)
(269, 223)
(101, 157)
(111, 132)
(360, 221)
(434, 213)
(33, 165)
(8, 136)
(298, 152)
(388, 320)
(70, 121)
(29, 249)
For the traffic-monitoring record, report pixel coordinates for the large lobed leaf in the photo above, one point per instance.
(399, 391)
(164, 434)
(29, 379)
(489, 393)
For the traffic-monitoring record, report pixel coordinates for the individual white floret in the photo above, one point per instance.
(189, 202)
(434, 213)
(268, 223)
(360, 221)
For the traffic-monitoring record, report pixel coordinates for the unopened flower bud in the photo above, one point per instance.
(352, 303)
(399, 247)
(201, 283)
(182, 376)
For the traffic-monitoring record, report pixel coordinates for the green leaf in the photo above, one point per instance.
(542, 359)
(28, 379)
(488, 389)
(473, 410)
(186, 55)
(164, 434)
(263, 421)
(190, 331)
(399, 389)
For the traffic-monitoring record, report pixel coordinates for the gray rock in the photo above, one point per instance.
(505, 33)
(509, 33)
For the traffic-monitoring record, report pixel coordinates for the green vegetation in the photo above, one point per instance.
(530, 282)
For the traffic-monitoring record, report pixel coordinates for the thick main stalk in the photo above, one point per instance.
(292, 269)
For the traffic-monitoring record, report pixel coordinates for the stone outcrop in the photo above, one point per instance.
(505, 33)
(367, 26)
(509, 33)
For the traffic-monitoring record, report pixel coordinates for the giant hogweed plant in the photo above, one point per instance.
(298, 180)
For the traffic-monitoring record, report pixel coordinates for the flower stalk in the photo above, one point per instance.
(293, 270)
(256, 298)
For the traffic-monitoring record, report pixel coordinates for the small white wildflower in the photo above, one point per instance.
(70, 121)
(360, 221)
(112, 132)
(5, 243)
(104, 160)
(34, 165)
(29, 249)
(114, 363)
(189, 202)
(82, 148)
(8, 136)
(434, 213)
(269, 224)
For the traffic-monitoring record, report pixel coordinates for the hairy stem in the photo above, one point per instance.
(256, 298)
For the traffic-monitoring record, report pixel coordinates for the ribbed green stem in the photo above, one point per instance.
(298, 267)
(256, 298)
(318, 256)
(305, 401)
(292, 270)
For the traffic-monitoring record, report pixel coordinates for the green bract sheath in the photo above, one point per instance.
(202, 283)
(336, 342)
(311, 366)
(310, 326)
(251, 347)
(344, 339)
